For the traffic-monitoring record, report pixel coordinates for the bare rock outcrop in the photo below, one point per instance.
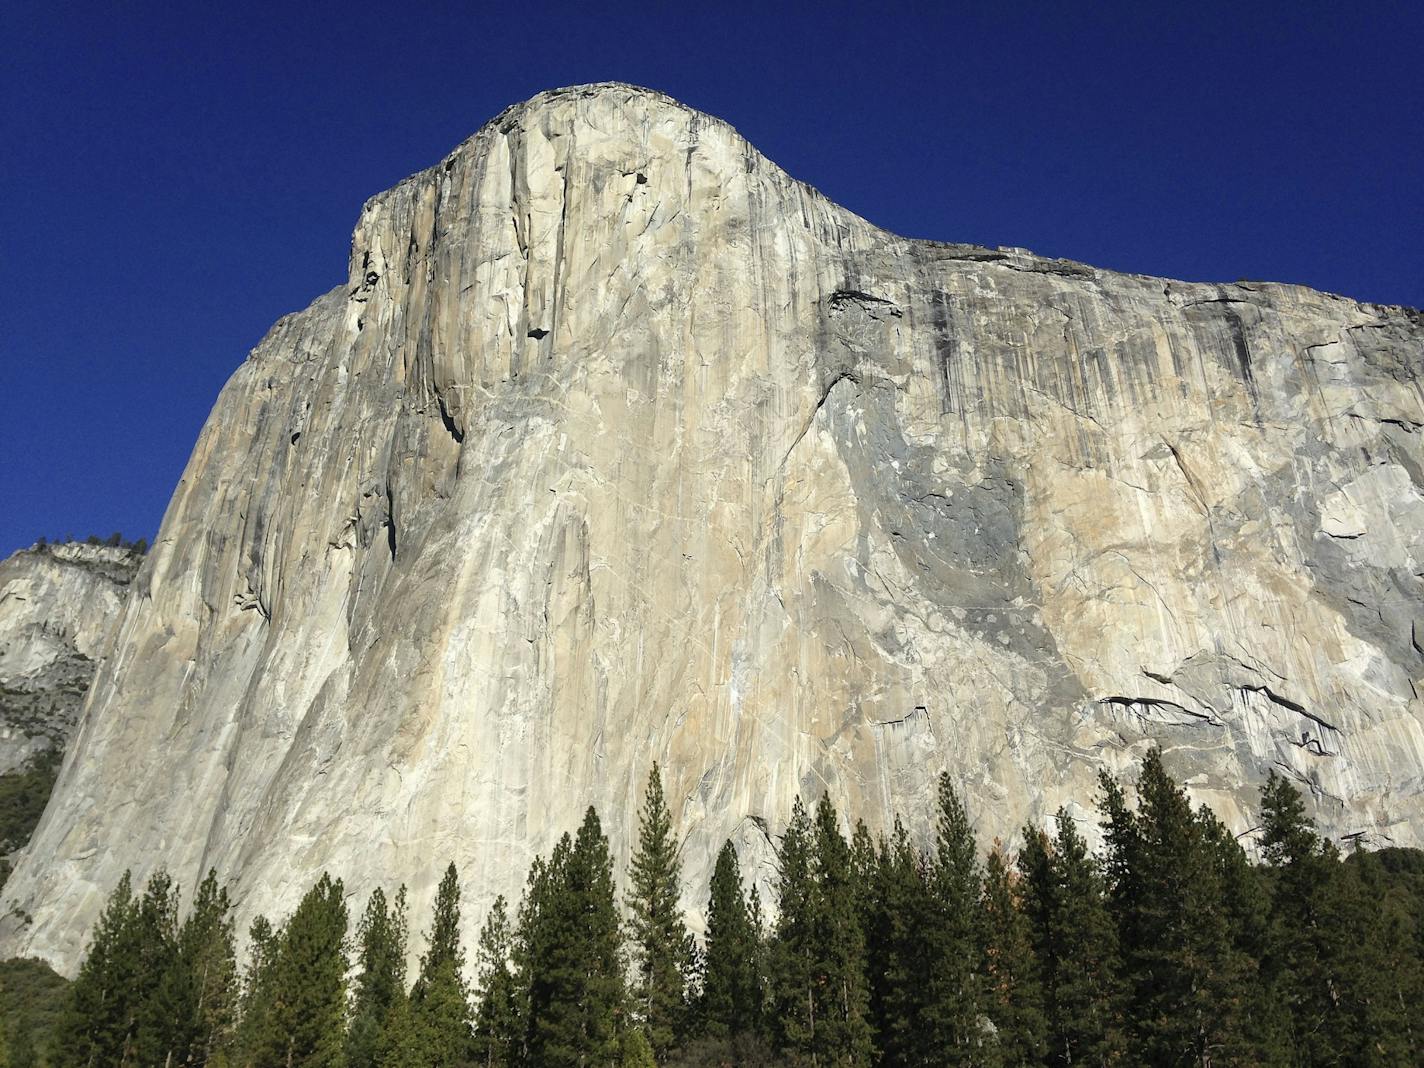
(620, 445)
(59, 605)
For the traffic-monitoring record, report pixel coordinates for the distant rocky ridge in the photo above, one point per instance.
(619, 445)
(59, 604)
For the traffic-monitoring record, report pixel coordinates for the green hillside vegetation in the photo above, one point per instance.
(33, 1000)
(23, 796)
(1170, 947)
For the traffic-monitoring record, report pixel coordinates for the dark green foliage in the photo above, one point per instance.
(1013, 988)
(442, 941)
(1245, 902)
(1395, 879)
(1379, 970)
(439, 1002)
(399, 1044)
(635, 1051)
(793, 957)
(1076, 943)
(894, 918)
(305, 1026)
(498, 1027)
(1345, 965)
(380, 982)
(953, 1023)
(1306, 960)
(33, 1001)
(113, 1018)
(193, 1010)
(20, 1050)
(731, 991)
(1192, 982)
(819, 971)
(570, 954)
(663, 951)
(1172, 949)
(257, 1001)
(843, 1036)
(23, 796)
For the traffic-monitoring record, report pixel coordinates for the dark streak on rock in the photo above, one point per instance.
(1286, 702)
(919, 712)
(946, 349)
(855, 296)
(449, 421)
(1132, 704)
(391, 523)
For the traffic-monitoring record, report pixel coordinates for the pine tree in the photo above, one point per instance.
(99, 1016)
(663, 951)
(497, 1020)
(1381, 966)
(899, 913)
(1014, 993)
(761, 962)
(1076, 943)
(864, 865)
(843, 1036)
(952, 1028)
(1245, 901)
(864, 877)
(98, 1019)
(792, 979)
(1335, 971)
(1304, 961)
(161, 1003)
(1190, 980)
(198, 994)
(730, 1001)
(399, 1045)
(258, 999)
(635, 1050)
(112, 1017)
(571, 955)
(439, 1002)
(819, 1000)
(306, 1021)
(381, 937)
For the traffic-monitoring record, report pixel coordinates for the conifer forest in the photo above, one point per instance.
(1176, 943)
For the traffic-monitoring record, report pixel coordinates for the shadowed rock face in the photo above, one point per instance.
(58, 608)
(620, 445)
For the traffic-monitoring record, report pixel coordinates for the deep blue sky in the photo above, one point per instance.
(173, 181)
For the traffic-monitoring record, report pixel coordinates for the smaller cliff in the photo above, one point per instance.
(58, 608)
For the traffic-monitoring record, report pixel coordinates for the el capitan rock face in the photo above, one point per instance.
(620, 445)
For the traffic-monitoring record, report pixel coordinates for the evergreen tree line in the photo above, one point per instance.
(1171, 947)
(114, 541)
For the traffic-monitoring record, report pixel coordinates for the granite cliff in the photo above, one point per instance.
(620, 445)
(58, 608)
